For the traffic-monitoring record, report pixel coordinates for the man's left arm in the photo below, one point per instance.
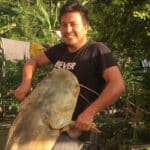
(114, 88)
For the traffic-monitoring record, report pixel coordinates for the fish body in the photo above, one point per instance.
(44, 112)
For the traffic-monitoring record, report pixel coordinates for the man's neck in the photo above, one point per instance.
(74, 48)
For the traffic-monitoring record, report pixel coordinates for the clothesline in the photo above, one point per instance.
(15, 50)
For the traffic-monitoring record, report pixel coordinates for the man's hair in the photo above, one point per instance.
(74, 7)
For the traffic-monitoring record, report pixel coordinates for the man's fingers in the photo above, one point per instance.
(92, 127)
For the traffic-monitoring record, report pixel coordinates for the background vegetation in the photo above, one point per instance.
(124, 25)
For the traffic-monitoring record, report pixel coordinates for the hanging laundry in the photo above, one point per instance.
(15, 50)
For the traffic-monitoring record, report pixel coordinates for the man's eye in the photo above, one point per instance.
(64, 25)
(74, 24)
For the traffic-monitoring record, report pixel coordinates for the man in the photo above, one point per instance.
(90, 61)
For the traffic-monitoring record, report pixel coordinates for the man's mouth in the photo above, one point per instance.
(69, 36)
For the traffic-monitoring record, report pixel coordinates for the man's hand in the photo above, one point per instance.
(73, 132)
(85, 120)
(22, 91)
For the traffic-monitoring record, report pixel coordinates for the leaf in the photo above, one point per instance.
(6, 28)
(41, 6)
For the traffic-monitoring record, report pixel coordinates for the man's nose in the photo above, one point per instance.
(68, 28)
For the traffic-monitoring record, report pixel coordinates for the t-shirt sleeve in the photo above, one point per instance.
(104, 58)
(50, 53)
(53, 52)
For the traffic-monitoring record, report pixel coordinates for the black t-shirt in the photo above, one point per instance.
(88, 64)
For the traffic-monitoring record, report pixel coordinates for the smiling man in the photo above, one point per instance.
(90, 61)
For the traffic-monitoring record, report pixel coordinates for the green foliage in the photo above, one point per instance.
(42, 7)
(7, 8)
(6, 28)
(34, 20)
(9, 82)
(142, 78)
(114, 23)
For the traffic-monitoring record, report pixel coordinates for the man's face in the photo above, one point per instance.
(73, 29)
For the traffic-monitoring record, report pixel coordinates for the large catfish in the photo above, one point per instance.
(44, 112)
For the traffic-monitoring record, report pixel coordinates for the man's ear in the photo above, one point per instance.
(87, 27)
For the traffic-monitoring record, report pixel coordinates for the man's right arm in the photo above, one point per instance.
(28, 71)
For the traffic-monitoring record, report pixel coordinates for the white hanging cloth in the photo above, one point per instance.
(15, 50)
